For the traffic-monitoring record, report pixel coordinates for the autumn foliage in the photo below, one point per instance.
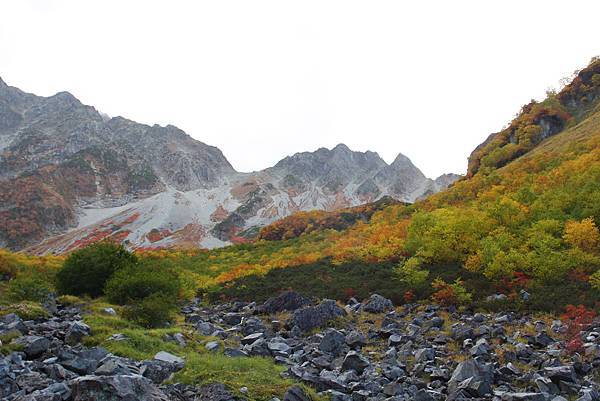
(577, 319)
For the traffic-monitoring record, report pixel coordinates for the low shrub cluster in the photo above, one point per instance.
(148, 291)
(86, 271)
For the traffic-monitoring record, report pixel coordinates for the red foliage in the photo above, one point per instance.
(409, 296)
(349, 292)
(511, 286)
(577, 318)
(579, 274)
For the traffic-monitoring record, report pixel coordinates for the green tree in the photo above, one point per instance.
(86, 271)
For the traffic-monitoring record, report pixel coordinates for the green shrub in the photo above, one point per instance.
(136, 283)
(87, 270)
(29, 287)
(156, 310)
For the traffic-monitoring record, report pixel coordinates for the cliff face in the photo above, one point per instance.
(70, 175)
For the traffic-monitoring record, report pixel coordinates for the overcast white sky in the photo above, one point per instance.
(265, 79)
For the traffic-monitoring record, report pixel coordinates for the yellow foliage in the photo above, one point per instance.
(582, 234)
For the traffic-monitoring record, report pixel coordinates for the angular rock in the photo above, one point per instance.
(287, 301)
(167, 357)
(311, 317)
(33, 345)
(296, 393)
(115, 388)
(473, 376)
(77, 330)
(333, 342)
(356, 362)
(377, 304)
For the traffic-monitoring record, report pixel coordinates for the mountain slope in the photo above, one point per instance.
(70, 173)
(529, 223)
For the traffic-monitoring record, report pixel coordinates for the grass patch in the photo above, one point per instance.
(26, 310)
(260, 375)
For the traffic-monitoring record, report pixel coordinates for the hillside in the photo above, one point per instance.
(72, 176)
(529, 223)
(487, 290)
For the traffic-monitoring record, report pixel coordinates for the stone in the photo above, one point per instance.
(109, 311)
(77, 330)
(355, 361)
(287, 301)
(84, 362)
(377, 304)
(115, 388)
(355, 339)
(472, 375)
(159, 371)
(333, 342)
(114, 366)
(251, 338)
(296, 393)
(118, 337)
(311, 317)
(167, 357)
(425, 355)
(523, 397)
(33, 346)
(212, 346)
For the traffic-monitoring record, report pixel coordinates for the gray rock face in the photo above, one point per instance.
(311, 317)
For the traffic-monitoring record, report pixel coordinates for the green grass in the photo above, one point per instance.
(260, 375)
(27, 310)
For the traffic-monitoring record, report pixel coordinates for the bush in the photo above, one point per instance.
(156, 310)
(450, 294)
(87, 270)
(135, 283)
(29, 287)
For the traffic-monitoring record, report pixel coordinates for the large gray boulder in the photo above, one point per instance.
(333, 342)
(77, 330)
(287, 301)
(355, 361)
(33, 345)
(473, 377)
(311, 317)
(115, 388)
(377, 304)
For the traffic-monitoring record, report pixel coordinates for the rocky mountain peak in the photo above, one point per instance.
(158, 184)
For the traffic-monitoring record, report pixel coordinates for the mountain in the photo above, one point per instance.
(70, 175)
